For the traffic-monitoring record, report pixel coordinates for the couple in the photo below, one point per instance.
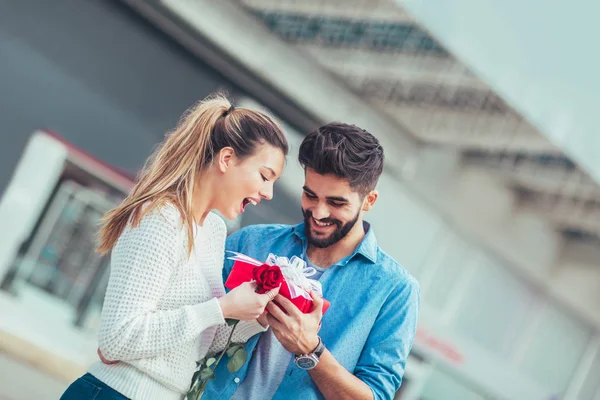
(165, 306)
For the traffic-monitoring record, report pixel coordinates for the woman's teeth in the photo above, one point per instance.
(246, 202)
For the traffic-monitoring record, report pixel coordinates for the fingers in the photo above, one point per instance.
(291, 309)
(276, 312)
(274, 323)
(265, 298)
(270, 295)
(318, 304)
(104, 360)
(246, 287)
(262, 319)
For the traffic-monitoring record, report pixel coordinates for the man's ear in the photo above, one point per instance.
(370, 200)
(225, 159)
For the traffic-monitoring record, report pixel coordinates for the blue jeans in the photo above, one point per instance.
(88, 387)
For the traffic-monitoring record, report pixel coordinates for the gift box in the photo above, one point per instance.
(293, 275)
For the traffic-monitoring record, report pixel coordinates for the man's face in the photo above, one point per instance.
(330, 207)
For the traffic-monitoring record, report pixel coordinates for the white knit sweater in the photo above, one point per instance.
(161, 313)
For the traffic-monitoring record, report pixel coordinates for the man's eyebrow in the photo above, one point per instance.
(337, 198)
(333, 198)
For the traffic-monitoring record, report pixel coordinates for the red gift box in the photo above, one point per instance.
(244, 271)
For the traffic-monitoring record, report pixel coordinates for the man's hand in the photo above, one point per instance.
(262, 320)
(296, 331)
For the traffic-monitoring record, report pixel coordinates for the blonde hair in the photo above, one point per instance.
(170, 173)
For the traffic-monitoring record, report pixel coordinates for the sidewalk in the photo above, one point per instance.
(41, 352)
(22, 381)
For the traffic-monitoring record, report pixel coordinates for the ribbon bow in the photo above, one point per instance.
(297, 274)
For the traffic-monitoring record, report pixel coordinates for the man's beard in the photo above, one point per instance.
(338, 234)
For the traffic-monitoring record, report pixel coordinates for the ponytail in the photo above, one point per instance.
(170, 173)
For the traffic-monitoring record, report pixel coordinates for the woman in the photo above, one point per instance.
(165, 305)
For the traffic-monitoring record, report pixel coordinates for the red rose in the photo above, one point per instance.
(267, 277)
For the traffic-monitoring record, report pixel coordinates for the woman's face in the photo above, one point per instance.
(248, 181)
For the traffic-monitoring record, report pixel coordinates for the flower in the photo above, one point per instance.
(267, 277)
(206, 367)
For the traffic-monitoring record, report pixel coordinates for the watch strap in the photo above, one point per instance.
(320, 348)
(317, 351)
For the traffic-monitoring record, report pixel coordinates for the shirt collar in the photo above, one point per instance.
(367, 247)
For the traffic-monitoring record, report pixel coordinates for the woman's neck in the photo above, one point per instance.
(202, 199)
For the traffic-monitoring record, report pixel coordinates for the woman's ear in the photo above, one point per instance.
(225, 159)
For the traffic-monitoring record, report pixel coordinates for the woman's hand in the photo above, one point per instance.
(243, 303)
(104, 360)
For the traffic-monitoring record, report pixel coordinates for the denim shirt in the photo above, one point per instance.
(369, 327)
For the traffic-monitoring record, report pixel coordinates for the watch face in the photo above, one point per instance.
(305, 362)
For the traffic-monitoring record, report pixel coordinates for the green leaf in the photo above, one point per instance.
(207, 374)
(210, 361)
(237, 361)
(212, 354)
(233, 348)
(202, 362)
(195, 392)
(195, 378)
(231, 321)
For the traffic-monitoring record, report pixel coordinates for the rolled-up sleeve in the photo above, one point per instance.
(382, 362)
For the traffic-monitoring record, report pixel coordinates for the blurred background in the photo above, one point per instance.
(487, 111)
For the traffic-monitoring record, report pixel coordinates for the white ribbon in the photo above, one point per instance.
(297, 274)
(243, 258)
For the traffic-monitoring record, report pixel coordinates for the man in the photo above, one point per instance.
(358, 349)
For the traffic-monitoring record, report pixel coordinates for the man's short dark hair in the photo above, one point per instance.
(345, 151)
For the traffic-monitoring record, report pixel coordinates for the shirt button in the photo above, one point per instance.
(237, 380)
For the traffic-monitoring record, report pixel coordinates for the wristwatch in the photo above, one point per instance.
(310, 360)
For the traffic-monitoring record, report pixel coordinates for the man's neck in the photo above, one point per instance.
(328, 256)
